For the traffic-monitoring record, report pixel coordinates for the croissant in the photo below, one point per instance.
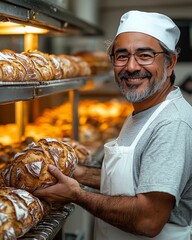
(29, 168)
(19, 211)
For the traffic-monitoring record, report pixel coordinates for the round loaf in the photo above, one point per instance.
(29, 168)
(19, 211)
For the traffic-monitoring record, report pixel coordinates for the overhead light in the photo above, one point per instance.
(7, 28)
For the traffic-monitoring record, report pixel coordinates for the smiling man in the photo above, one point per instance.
(146, 177)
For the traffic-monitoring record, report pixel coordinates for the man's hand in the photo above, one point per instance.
(88, 176)
(65, 190)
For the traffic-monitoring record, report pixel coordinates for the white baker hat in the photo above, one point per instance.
(156, 25)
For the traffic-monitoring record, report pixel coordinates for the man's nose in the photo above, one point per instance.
(132, 65)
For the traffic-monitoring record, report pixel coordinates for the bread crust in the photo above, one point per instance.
(29, 168)
(19, 211)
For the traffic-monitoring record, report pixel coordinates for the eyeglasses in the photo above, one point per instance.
(120, 59)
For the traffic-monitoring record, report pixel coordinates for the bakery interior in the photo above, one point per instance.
(81, 105)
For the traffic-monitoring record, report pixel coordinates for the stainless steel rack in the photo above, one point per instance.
(50, 226)
(22, 91)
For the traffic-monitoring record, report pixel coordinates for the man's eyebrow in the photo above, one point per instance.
(145, 49)
(121, 50)
(124, 50)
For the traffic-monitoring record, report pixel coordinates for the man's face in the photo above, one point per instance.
(138, 82)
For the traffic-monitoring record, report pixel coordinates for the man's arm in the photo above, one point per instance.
(88, 176)
(143, 214)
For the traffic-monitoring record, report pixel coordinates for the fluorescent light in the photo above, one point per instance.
(7, 28)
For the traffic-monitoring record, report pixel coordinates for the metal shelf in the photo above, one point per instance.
(43, 13)
(50, 225)
(12, 92)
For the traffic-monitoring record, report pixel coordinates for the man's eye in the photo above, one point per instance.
(145, 55)
(121, 57)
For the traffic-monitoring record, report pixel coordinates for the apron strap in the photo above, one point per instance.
(150, 120)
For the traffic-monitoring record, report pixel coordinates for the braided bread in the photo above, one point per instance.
(41, 63)
(23, 68)
(29, 168)
(38, 66)
(83, 68)
(56, 65)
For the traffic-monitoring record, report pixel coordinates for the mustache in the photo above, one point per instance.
(136, 74)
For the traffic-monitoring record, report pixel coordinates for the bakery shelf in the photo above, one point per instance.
(45, 14)
(48, 228)
(15, 91)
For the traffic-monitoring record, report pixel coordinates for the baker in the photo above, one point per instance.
(146, 177)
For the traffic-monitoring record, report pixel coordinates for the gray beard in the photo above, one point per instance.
(133, 97)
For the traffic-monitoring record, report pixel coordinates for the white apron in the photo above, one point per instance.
(117, 179)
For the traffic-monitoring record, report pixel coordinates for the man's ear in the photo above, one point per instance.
(171, 65)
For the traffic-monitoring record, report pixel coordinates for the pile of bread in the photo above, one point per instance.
(38, 66)
(98, 121)
(20, 210)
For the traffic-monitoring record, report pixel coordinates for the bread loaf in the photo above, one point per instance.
(41, 64)
(67, 67)
(29, 168)
(82, 153)
(19, 211)
(38, 66)
(23, 66)
(56, 65)
(84, 67)
(8, 69)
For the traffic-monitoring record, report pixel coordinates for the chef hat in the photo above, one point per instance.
(156, 25)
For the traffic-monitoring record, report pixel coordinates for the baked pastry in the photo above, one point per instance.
(29, 168)
(83, 66)
(41, 64)
(34, 65)
(56, 65)
(16, 67)
(9, 71)
(19, 211)
(69, 69)
(83, 154)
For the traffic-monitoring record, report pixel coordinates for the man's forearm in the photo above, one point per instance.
(110, 209)
(88, 176)
(144, 214)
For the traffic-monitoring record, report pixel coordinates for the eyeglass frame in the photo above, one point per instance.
(134, 54)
